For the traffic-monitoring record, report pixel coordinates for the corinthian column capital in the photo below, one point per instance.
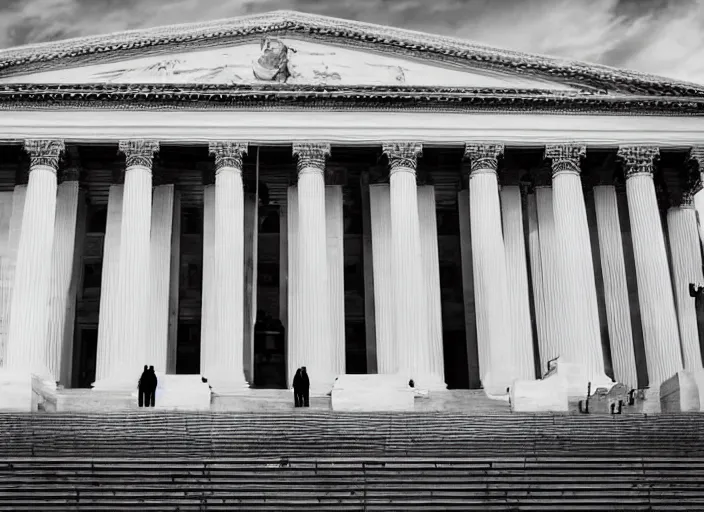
(138, 152)
(566, 158)
(403, 156)
(638, 160)
(44, 152)
(483, 157)
(311, 156)
(228, 154)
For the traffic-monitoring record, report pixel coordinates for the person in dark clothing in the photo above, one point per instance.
(305, 387)
(297, 395)
(142, 387)
(151, 396)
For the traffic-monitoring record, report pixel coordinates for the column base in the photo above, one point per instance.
(228, 386)
(26, 392)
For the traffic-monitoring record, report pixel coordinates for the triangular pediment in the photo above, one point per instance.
(301, 49)
(285, 60)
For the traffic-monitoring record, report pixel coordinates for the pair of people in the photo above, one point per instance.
(301, 388)
(147, 387)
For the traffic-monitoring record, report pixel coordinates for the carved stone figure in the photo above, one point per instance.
(272, 64)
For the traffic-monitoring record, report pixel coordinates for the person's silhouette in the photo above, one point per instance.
(152, 387)
(142, 387)
(305, 387)
(297, 395)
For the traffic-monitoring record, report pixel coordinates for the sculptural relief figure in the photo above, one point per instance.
(272, 64)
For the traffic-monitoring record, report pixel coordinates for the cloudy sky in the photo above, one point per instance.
(664, 37)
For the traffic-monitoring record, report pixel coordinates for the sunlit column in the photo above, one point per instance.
(657, 305)
(582, 342)
(28, 339)
(313, 285)
(498, 358)
(618, 311)
(225, 354)
(686, 269)
(413, 348)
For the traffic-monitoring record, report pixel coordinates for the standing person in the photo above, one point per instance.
(305, 387)
(142, 387)
(153, 381)
(297, 395)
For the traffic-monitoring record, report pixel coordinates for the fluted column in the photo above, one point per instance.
(9, 262)
(134, 288)
(660, 331)
(697, 154)
(517, 279)
(498, 358)
(618, 311)
(296, 347)
(109, 314)
(582, 344)
(385, 310)
(336, 273)
(686, 268)
(314, 293)
(27, 348)
(162, 217)
(61, 270)
(536, 268)
(207, 315)
(226, 352)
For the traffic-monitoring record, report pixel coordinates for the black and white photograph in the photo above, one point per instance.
(351, 255)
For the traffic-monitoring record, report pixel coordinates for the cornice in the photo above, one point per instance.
(115, 47)
(323, 97)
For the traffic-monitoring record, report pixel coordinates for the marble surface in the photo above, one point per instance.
(680, 393)
(372, 393)
(547, 395)
(24, 392)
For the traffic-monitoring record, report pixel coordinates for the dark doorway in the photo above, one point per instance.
(87, 356)
(188, 349)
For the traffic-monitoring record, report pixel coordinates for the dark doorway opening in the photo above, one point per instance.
(188, 349)
(87, 356)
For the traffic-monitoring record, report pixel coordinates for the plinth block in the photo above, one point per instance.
(547, 395)
(367, 393)
(181, 392)
(681, 392)
(24, 392)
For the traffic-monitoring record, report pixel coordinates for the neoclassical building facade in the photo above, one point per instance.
(242, 198)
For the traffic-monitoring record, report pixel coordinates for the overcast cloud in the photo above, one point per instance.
(664, 37)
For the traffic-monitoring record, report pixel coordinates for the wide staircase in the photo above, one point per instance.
(319, 460)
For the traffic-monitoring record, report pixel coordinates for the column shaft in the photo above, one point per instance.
(297, 347)
(207, 327)
(517, 279)
(385, 310)
(536, 268)
(618, 312)
(582, 343)
(27, 348)
(335, 235)
(62, 266)
(314, 285)
(109, 317)
(470, 313)
(498, 358)
(227, 372)
(660, 331)
(687, 268)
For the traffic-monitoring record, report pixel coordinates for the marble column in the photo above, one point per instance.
(27, 350)
(9, 262)
(109, 317)
(686, 268)
(313, 263)
(618, 310)
(134, 290)
(582, 343)
(335, 234)
(470, 312)
(498, 357)
(296, 354)
(536, 270)
(385, 312)
(226, 352)
(62, 267)
(431, 275)
(249, 287)
(162, 216)
(208, 359)
(174, 287)
(660, 330)
(517, 279)
(368, 262)
(414, 351)
(697, 154)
